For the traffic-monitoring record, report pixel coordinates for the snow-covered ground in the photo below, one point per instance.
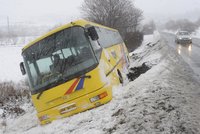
(163, 100)
(169, 31)
(19, 41)
(10, 57)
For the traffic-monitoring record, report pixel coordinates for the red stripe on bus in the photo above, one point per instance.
(69, 91)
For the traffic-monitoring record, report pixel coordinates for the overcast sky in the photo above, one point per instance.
(52, 11)
(59, 11)
(169, 9)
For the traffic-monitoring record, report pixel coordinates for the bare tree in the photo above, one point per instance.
(119, 14)
(137, 15)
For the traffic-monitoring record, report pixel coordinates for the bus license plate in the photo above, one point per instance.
(68, 108)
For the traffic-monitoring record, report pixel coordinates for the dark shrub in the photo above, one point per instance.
(12, 95)
(133, 40)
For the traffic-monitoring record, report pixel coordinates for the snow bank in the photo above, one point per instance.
(163, 100)
(145, 52)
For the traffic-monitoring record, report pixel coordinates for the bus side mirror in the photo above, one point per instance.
(22, 68)
(93, 33)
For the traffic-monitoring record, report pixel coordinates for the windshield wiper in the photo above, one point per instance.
(39, 95)
(46, 87)
(86, 76)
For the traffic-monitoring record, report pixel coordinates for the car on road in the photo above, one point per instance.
(183, 37)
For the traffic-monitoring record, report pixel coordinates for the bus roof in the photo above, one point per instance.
(82, 23)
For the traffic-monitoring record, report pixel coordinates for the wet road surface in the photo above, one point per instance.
(189, 52)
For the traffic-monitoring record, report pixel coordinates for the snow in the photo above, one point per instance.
(163, 100)
(10, 57)
(197, 33)
(170, 31)
(19, 41)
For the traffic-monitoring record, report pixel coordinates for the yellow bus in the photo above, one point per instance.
(73, 68)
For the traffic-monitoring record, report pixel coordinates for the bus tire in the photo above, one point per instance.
(120, 76)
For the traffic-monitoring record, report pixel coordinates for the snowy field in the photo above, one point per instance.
(19, 41)
(163, 100)
(10, 57)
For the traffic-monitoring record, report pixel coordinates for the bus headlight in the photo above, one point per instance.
(93, 99)
(98, 97)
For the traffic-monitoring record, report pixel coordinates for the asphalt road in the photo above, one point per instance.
(189, 52)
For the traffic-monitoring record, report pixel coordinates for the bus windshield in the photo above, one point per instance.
(57, 58)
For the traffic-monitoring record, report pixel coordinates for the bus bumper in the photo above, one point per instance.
(83, 103)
